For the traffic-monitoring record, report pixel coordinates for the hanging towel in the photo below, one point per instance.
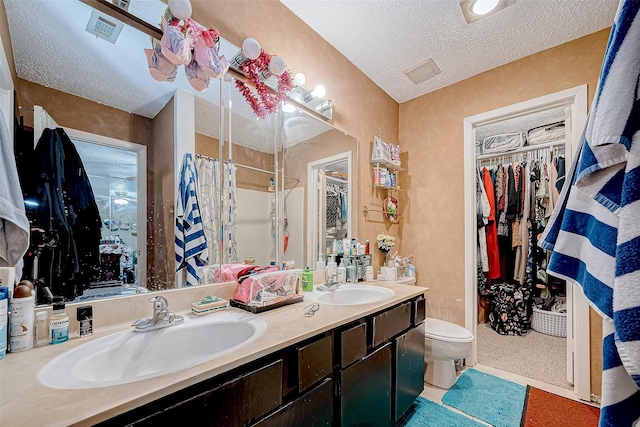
(14, 225)
(190, 241)
(593, 231)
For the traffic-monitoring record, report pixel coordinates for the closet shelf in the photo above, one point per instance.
(387, 165)
(335, 179)
(520, 150)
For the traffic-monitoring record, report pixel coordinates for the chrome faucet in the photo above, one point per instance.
(162, 317)
(330, 285)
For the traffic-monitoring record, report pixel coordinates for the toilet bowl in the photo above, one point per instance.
(444, 343)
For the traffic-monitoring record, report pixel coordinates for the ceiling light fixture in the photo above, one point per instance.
(474, 10)
(482, 7)
(120, 201)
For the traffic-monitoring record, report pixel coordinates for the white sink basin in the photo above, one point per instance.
(350, 295)
(128, 356)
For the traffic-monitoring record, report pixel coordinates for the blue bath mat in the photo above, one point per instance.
(486, 397)
(425, 413)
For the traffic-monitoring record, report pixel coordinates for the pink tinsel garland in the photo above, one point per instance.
(267, 103)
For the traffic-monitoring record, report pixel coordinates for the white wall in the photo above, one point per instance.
(295, 216)
(254, 226)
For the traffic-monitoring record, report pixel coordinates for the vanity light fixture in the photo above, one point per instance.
(180, 9)
(474, 10)
(318, 92)
(288, 108)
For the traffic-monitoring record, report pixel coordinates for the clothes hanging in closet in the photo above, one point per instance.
(62, 203)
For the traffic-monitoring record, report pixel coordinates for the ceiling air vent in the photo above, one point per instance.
(104, 26)
(422, 72)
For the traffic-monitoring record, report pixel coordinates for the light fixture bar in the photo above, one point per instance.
(143, 26)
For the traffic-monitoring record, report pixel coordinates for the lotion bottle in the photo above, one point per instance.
(307, 280)
(342, 273)
(59, 323)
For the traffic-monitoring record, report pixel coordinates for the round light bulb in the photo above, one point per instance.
(251, 48)
(318, 92)
(299, 79)
(277, 65)
(482, 7)
(180, 9)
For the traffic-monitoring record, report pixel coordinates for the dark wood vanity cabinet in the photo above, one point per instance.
(365, 373)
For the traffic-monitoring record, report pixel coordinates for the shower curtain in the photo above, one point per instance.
(230, 217)
(209, 196)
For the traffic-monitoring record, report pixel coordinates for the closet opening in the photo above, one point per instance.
(525, 322)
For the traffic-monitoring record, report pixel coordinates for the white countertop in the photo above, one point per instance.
(26, 402)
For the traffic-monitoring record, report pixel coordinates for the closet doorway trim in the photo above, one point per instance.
(576, 98)
(141, 161)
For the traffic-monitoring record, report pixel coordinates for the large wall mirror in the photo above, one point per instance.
(101, 93)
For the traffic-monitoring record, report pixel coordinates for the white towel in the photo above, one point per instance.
(14, 225)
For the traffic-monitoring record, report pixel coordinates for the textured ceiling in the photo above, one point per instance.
(52, 48)
(384, 38)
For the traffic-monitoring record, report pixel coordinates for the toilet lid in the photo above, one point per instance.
(439, 329)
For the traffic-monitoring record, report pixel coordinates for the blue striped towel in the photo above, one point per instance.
(190, 241)
(594, 231)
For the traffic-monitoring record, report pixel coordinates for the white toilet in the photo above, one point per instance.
(444, 343)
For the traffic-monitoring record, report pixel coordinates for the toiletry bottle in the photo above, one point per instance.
(4, 299)
(369, 273)
(351, 274)
(342, 272)
(59, 323)
(332, 269)
(307, 280)
(42, 329)
(320, 264)
(84, 315)
(21, 322)
(366, 247)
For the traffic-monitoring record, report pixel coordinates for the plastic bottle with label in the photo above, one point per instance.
(307, 280)
(59, 323)
(342, 272)
(4, 299)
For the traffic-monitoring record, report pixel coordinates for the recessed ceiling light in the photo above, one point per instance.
(474, 10)
(482, 7)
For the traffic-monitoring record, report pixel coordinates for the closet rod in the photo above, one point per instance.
(521, 150)
(24, 108)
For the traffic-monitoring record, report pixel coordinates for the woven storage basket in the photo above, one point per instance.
(549, 323)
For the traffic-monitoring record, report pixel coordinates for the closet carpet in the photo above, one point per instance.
(537, 356)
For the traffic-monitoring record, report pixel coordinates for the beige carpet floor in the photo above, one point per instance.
(535, 355)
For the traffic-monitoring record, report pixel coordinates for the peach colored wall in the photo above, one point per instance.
(431, 131)
(360, 107)
(245, 178)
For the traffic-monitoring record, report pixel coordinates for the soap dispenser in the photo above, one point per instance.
(307, 280)
(342, 272)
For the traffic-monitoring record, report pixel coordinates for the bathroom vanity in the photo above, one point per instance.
(345, 365)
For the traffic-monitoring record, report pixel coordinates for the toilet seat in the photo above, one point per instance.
(440, 330)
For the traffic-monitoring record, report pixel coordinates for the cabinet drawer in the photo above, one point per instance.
(232, 404)
(390, 323)
(419, 311)
(314, 408)
(314, 362)
(352, 344)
